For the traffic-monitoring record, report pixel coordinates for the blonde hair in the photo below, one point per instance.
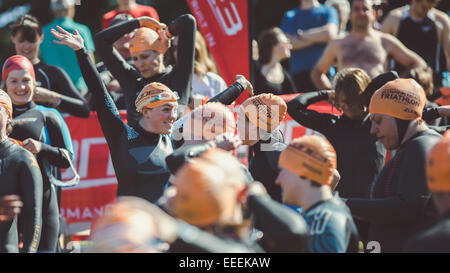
(203, 63)
(352, 82)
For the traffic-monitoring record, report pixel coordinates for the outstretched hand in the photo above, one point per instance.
(74, 41)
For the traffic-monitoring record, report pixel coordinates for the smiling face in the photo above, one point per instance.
(385, 128)
(27, 47)
(148, 62)
(20, 86)
(161, 118)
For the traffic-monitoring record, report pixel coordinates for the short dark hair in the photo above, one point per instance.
(28, 26)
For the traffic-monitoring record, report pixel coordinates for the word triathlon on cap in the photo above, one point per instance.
(402, 97)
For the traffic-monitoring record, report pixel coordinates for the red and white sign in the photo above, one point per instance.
(224, 24)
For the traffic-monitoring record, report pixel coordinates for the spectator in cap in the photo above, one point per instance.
(399, 205)
(308, 178)
(131, 8)
(52, 54)
(436, 239)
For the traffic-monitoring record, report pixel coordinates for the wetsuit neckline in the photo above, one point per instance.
(20, 109)
(335, 195)
(158, 76)
(145, 133)
(424, 132)
(4, 145)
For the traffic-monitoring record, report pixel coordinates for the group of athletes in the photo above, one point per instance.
(180, 186)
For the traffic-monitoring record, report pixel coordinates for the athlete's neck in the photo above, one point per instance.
(309, 4)
(361, 32)
(414, 128)
(417, 16)
(19, 109)
(147, 126)
(315, 195)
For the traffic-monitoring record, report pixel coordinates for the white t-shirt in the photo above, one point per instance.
(209, 85)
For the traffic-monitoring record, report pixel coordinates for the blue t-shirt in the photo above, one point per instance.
(305, 59)
(63, 56)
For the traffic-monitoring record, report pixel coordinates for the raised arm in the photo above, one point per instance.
(108, 115)
(298, 110)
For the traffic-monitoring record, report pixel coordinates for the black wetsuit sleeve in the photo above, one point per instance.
(185, 28)
(181, 155)
(108, 115)
(284, 230)
(31, 195)
(115, 63)
(410, 198)
(59, 140)
(297, 109)
(228, 95)
(71, 102)
(430, 114)
(193, 240)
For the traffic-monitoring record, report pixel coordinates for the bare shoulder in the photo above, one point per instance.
(395, 13)
(442, 17)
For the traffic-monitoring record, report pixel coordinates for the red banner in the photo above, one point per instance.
(224, 24)
(97, 188)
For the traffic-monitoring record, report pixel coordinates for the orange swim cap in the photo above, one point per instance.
(208, 121)
(207, 192)
(5, 101)
(145, 39)
(155, 94)
(438, 165)
(310, 156)
(266, 111)
(400, 98)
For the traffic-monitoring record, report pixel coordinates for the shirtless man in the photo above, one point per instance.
(420, 21)
(364, 47)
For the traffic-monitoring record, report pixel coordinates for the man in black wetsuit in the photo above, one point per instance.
(399, 204)
(131, 79)
(19, 175)
(307, 172)
(436, 238)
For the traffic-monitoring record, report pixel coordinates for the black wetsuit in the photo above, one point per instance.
(331, 227)
(284, 231)
(263, 163)
(360, 156)
(20, 174)
(55, 79)
(262, 85)
(177, 78)
(400, 204)
(435, 239)
(413, 33)
(47, 126)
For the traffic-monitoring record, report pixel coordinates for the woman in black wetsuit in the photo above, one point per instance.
(19, 175)
(360, 155)
(27, 36)
(149, 63)
(44, 133)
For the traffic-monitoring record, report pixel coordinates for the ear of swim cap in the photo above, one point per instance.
(206, 193)
(17, 62)
(145, 39)
(438, 165)
(5, 101)
(208, 121)
(400, 98)
(266, 111)
(153, 95)
(310, 156)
